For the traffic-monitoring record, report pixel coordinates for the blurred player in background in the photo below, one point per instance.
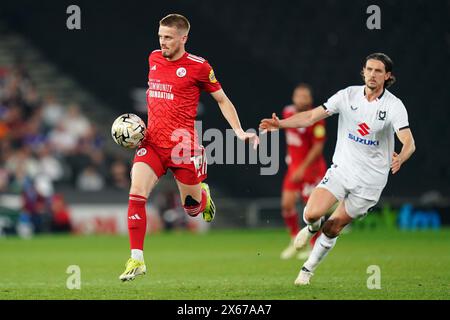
(368, 117)
(175, 81)
(306, 166)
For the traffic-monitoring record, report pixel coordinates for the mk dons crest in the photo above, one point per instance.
(382, 115)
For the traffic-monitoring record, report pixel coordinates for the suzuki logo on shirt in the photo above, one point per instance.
(363, 129)
(367, 142)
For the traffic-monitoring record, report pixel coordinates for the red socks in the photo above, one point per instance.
(193, 208)
(291, 221)
(137, 221)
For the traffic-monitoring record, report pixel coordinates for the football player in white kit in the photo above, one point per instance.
(364, 154)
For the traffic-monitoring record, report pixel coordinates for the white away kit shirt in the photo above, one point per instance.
(365, 141)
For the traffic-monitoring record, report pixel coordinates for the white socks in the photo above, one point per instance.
(321, 248)
(137, 254)
(315, 226)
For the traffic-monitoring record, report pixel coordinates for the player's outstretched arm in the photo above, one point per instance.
(406, 138)
(298, 120)
(230, 114)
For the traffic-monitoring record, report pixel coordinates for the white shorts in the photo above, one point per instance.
(358, 199)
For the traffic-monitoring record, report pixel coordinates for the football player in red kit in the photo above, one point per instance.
(175, 81)
(306, 166)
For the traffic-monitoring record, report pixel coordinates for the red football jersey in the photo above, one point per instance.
(172, 98)
(299, 142)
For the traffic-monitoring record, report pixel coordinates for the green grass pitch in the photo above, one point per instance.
(227, 265)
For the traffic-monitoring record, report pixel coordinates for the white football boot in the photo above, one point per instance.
(303, 277)
(305, 235)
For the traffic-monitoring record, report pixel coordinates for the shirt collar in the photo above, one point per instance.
(379, 97)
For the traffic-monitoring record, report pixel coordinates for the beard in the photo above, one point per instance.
(167, 54)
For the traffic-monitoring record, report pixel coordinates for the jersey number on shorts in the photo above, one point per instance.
(200, 162)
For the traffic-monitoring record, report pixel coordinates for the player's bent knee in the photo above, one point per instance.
(312, 214)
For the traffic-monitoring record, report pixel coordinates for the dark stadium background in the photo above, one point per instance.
(62, 176)
(260, 50)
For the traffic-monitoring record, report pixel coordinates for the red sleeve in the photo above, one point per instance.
(207, 78)
(152, 55)
(286, 113)
(319, 132)
(150, 59)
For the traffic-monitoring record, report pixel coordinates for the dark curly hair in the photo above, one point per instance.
(388, 66)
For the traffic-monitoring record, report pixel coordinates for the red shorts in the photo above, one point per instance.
(188, 168)
(304, 188)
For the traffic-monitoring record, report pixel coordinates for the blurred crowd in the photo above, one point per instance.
(43, 144)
